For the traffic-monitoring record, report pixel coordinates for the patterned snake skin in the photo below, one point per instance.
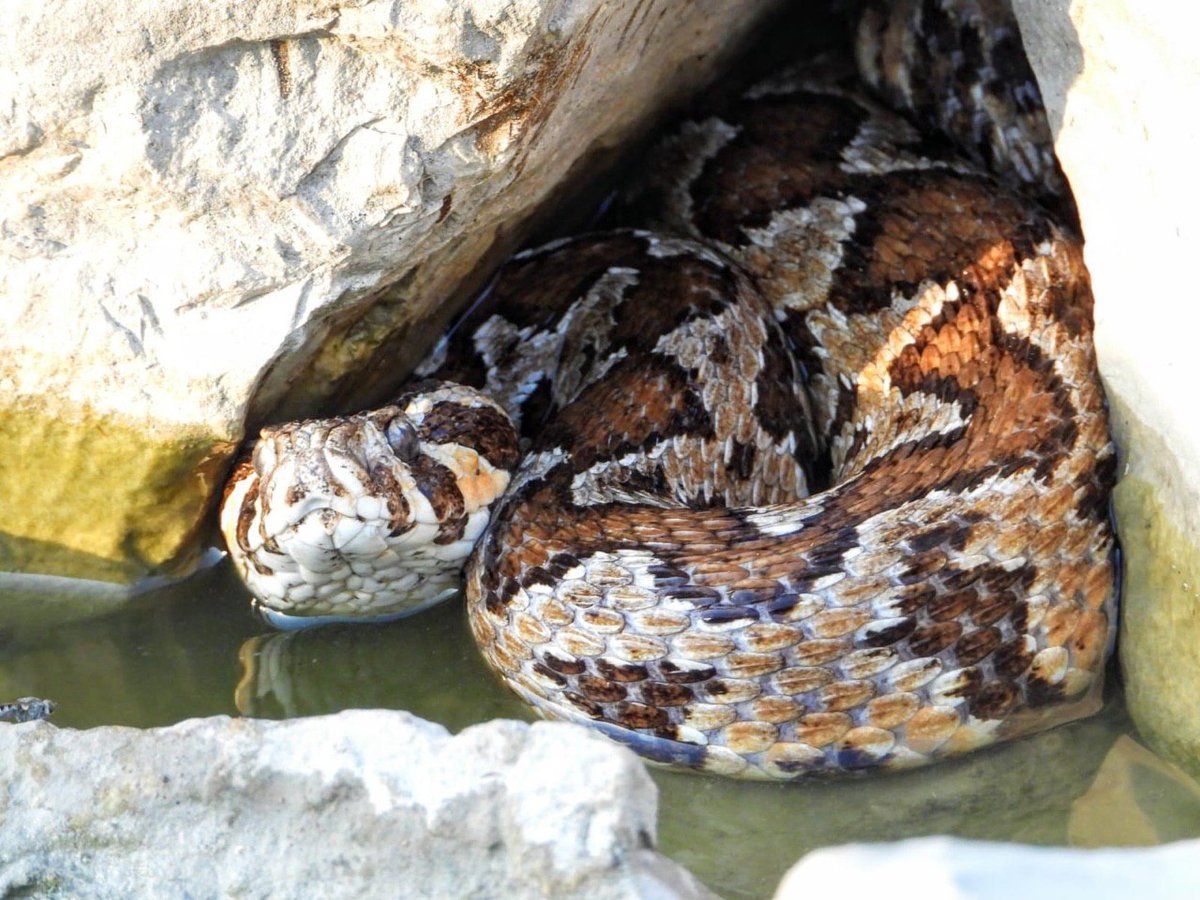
(813, 475)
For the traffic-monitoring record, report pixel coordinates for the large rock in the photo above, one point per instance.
(215, 212)
(1117, 78)
(942, 868)
(362, 804)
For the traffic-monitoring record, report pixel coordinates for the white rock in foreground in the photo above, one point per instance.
(942, 868)
(360, 804)
(206, 208)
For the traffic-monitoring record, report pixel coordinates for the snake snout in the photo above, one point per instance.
(335, 521)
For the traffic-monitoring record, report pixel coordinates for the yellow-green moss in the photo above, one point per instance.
(89, 496)
(1160, 630)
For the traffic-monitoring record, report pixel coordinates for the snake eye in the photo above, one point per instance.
(402, 438)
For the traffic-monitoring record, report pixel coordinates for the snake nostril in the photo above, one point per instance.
(402, 438)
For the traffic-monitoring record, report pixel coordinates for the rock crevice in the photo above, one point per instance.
(216, 214)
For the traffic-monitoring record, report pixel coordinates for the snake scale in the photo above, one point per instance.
(806, 473)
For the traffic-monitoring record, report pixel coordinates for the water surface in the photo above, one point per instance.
(196, 650)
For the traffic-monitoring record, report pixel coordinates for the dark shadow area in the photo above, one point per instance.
(1052, 45)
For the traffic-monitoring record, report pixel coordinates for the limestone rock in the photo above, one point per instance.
(1118, 78)
(942, 868)
(213, 213)
(361, 804)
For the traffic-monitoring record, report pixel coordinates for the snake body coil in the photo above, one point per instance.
(814, 475)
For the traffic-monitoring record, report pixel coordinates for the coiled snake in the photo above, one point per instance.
(812, 476)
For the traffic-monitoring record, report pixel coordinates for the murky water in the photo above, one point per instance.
(195, 650)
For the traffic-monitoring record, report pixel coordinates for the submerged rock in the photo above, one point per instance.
(361, 804)
(217, 212)
(1025, 791)
(1136, 800)
(1112, 74)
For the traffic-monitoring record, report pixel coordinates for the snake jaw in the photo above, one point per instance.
(367, 516)
(312, 527)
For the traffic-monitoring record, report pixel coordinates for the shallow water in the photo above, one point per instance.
(195, 650)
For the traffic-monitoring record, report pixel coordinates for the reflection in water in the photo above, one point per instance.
(171, 655)
(195, 650)
(1021, 791)
(421, 664)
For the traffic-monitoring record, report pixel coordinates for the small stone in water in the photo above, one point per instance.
(26, 709)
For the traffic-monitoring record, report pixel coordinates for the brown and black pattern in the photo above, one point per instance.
(816, 471)
(959, 66)
(727, 385)
(952, 586)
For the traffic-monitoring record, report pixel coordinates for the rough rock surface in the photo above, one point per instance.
(941, 868)
(213, 211)
(361, 804)
(1117, 78)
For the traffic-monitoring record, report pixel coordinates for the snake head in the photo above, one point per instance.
(370, 515)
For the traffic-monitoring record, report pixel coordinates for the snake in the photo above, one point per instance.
(801, 468)
(26, 709)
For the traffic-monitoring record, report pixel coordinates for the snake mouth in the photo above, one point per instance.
(322, 536)
(361, 517)
(320, 564)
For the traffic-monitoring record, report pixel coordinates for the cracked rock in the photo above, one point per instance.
(216, 214)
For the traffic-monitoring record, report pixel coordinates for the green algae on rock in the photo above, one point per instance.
(210, 239)
(1160, 627)
(91, 496)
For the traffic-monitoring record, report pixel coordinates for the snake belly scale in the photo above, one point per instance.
(809, 473)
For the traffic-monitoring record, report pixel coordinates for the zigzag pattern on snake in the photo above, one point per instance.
(812, 476)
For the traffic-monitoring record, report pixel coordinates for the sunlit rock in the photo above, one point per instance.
(362, 804)
(212, 213)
